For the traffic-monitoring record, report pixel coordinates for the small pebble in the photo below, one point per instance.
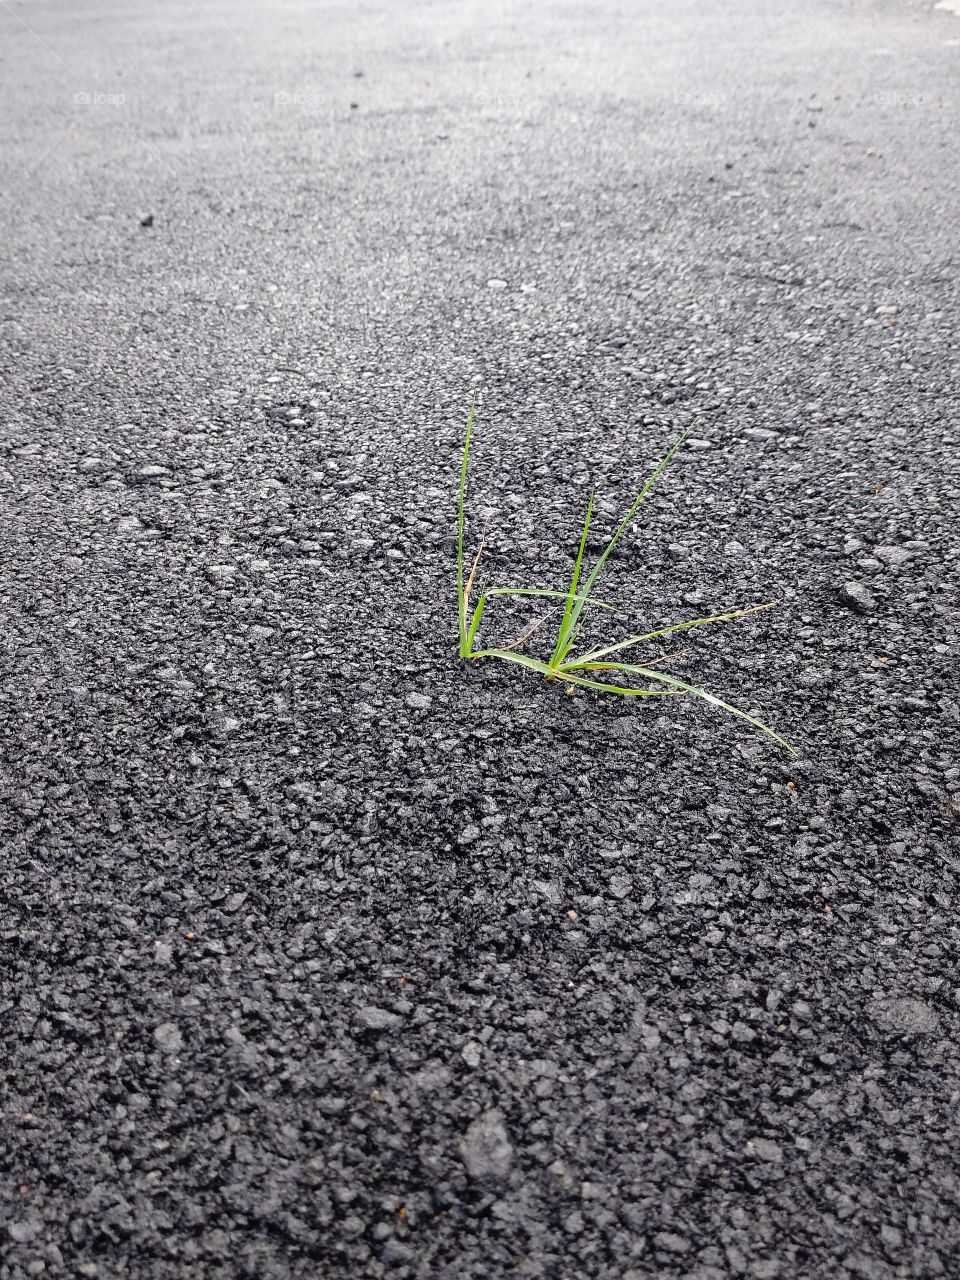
(905, 1015)
(620, 886)
(760, 433)
(376, 1019)
(856, 596)
(766, 1150)
(893, 556)
(22, 1232)
(168, 1038)
(471, 1053)
(486, 1149)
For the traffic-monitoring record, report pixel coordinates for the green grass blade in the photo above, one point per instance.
(509, 655)
(618, 534)
(665, 631)
(618, 688)
(661, 678)
(466, 649)
(573, 609)
(474, 626)
(534, 664)
(461, 601)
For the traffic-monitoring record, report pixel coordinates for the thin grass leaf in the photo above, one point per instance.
(474, 625)
(461, 598)
(560, 652)
(572, 611)
(468, 589)
(550, 672)
(687, 688)
(617, 688)
(520, 658)
(665, 631)
(570, 671)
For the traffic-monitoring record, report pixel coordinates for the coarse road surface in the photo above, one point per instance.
(325, 954)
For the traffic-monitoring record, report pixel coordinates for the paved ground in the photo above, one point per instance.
(324, 955)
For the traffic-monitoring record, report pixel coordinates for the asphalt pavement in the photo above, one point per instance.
(324, 953)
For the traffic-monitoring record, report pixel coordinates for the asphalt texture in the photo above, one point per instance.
(324, 953)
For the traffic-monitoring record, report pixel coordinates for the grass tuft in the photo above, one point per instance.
(578, 671)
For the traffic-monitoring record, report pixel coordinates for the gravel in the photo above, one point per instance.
(486, 1149)
(856, 596)
(323, 953)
